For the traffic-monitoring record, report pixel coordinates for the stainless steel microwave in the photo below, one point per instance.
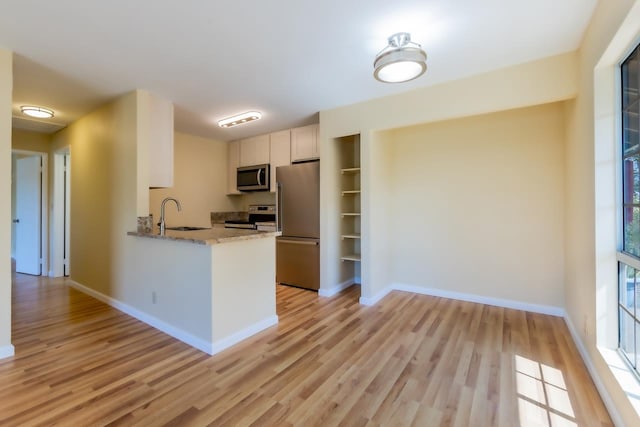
(253, 178)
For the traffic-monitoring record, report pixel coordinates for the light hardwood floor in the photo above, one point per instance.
(409, 360)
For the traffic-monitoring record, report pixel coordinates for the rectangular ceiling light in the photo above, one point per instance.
(240, 119)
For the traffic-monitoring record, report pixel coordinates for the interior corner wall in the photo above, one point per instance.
(478, 205)
(200, 182)
(378, 234)
(6, 100)
(500, 90)
(330, 272)
(103, 194)
(591, 272)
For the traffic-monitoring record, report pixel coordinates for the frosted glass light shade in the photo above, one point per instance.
(400, 61)
(37, 112)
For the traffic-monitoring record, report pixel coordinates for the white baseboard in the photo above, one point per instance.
(168, 329)
(374, 299)
(332, 291)
(498, 302)
(185, 337)
(245, 333)
(604, 394)
(7, 351)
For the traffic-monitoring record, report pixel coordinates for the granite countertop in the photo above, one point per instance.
(209, 236)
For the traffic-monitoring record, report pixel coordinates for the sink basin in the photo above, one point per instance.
(186, 228)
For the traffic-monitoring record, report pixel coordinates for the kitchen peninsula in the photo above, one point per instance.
(209, 288)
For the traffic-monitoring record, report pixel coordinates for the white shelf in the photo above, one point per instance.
(349, 170)
(351, 257)
(350, 236)
(350, 214)
(349, 192)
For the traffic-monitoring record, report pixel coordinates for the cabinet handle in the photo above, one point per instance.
(298, 242)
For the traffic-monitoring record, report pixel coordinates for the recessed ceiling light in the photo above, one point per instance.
(401, 61)
(38, 112)
(240, 119)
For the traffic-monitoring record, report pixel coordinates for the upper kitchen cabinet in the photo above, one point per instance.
(305, 143)
(157, 126)
(280, 153)
(254, 151)
(233, 162)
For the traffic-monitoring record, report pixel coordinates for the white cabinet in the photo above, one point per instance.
(157, 124)
(233, 161)
(254, 151)
(280, 153)
(305, 143)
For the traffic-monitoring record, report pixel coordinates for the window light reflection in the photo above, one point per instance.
(543, 398)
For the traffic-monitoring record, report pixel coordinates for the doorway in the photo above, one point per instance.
(29, 211)
(61, 216)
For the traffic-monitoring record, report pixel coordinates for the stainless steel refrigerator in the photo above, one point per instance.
(298, 203)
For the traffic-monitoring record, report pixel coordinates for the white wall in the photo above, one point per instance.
(6, 98)
(477, 205)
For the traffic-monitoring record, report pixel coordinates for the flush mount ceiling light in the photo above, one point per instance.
(402, 60)
(240, 119)
(38, 112)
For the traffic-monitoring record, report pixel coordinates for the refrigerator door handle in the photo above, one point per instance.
(278, 206)
(298, 242)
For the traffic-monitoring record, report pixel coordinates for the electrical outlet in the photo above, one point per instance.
(154, 297)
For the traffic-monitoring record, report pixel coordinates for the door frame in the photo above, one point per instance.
(44, 203)
(59, 224)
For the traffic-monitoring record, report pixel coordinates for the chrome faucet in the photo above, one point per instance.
(162, 226)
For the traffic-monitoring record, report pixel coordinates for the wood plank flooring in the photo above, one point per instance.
(409, 360)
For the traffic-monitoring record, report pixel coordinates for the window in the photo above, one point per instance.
(629, 258)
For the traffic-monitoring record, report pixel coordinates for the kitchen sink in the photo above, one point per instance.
(186, 228)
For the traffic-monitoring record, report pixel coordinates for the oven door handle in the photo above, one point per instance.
(259, 176)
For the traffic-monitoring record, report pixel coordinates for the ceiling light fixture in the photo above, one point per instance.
(240, 119)
(38, 112)
(402, 60)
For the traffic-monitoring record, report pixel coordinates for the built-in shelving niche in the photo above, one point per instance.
(350, 204)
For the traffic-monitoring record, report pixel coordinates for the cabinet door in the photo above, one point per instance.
(304, 143)
(254, 151)
(233, 161)
(280, 153)
(160, 131)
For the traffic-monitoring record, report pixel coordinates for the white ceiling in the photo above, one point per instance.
(286, 58)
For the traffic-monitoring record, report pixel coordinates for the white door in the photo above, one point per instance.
(28, 213)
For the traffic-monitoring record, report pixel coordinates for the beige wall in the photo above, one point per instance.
(30, 141)
(103, 193)
(555, 80)
(591, 270)
(477, 205)
(6, 88)
(200, 182)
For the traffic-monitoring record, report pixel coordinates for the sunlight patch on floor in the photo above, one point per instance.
(543, 399)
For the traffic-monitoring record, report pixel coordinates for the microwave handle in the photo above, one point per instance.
(259, 176)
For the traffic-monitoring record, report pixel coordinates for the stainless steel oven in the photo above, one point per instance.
(253, 178)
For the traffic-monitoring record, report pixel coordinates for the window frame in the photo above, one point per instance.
(623, 257)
